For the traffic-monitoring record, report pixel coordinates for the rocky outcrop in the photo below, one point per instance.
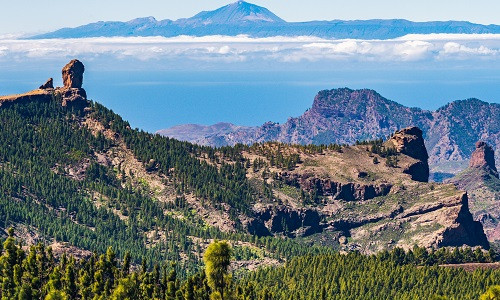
(339, 191)
(71, 95)
(285, 220)
(72, 74)
(483, 157)
(410, 141)
(344, 116)
(482, 183)
(464, 230)
(72, 92)
(47, 85)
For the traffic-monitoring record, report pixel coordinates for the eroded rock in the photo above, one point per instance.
(49, 84)
(483, 157)
(72, 74)
(410, 141)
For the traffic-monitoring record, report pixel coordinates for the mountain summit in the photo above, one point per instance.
(245, 18)
(237, 13)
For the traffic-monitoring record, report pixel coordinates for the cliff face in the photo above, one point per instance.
(345, 116)
(409, 141)
(482, 183)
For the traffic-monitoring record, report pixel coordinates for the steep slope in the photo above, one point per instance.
(246, 18)
(482, 183)
(345, 116)
(74, 173)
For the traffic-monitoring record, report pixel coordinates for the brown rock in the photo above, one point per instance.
(410, 141)
(47, 85)
(72, 74)
(483, 157)
(71, 95)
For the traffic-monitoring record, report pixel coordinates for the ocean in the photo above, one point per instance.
(157, 99)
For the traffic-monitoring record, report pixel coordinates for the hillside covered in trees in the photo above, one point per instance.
(76, 177)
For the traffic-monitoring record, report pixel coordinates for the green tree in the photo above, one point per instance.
(493, 293)
(217, 258)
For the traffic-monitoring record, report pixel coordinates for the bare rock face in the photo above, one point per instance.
(339, 191)
(482, 184)
(71, 95)
(483, 157)
(410, 141)
(285, 220)
(72, 74)
(47, 85)
(72, 92)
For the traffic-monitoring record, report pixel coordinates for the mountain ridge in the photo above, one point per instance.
(344, 116)
(245, 18)
(77, 173)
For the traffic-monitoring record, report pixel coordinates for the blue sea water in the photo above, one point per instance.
(156, 99)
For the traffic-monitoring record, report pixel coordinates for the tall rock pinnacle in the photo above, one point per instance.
(483, 157)
(410, 141)
(72, 74)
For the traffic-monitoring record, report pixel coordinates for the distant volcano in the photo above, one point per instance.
(237, 13)
(255, 21)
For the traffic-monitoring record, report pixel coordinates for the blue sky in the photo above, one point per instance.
(39, 16)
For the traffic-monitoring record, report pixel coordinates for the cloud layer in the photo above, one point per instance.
(410, 48)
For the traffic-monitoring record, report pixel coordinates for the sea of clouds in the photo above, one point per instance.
(412, 48)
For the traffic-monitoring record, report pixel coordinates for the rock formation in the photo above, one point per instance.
(343, 116)
(285, 220)
(72, 74)
(483, 157)
(47, 85)
(410, 141)
(482, 183)
(337, 190)
(72, 92)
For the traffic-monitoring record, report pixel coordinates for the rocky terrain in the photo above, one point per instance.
(151, 193)
(365, 205)
(482, 183)
(344, 116)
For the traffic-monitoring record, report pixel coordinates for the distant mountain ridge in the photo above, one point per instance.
(245, 18)
(344, 116)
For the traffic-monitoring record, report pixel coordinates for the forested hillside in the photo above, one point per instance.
(37, 274)
(76, 177)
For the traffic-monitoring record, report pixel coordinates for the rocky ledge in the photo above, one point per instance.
(71, 93)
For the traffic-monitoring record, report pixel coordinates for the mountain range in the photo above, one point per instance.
(243, 18)
(344, 116)
(75, 175)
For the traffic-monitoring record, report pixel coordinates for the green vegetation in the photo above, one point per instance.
(41, 143)
(37, 274)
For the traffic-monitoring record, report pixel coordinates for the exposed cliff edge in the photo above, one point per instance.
(353, 196)
(482, 183)
(71, 93)
(410, 141)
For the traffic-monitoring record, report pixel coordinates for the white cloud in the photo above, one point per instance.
(244, 48)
